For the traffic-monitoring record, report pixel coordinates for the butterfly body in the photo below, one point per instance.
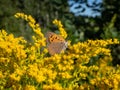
(55, 43)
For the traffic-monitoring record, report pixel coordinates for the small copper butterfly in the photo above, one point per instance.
(55, 43)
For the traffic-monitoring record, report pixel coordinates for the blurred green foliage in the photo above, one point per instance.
(44, 12)
(109, 29)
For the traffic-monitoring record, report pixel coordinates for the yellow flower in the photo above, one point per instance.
(60, 27)
(31, 19)
(55, 86)
(15, 77)
(40, 78)
(29, 87)
(93, 81)
(40, 39)
(1, 75)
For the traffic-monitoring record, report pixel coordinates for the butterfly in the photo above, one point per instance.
(55, 43)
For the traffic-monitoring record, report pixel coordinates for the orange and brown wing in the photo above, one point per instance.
(56, 47)
(52, 37)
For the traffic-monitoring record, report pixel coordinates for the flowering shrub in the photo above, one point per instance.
(27, 66)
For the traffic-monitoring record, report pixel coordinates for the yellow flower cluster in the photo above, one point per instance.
(84, 66)
(111, 80)
(55, 86)
(29, 87)
(60, 27)
(12, 56)
(39, 39)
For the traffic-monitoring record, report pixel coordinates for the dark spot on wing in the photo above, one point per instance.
(56, 38)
